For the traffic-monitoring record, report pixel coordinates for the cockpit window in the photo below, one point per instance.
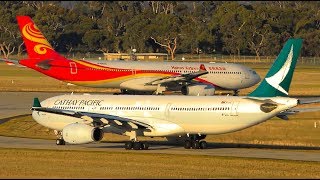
(253, 72)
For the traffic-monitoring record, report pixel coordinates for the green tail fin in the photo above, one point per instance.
(36, 103)
(278, 79)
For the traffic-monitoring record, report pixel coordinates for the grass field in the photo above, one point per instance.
(25, 163)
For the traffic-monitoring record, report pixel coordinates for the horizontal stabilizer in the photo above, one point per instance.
(12, 62)
(284, 117)
(309, 100)
(284, 114)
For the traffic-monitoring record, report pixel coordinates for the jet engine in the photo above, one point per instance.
(78, 133)
(198, 90)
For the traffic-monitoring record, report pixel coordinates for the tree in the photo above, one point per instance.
(135, 36)
(50, 19)
(10, 38)
(231, 17)
(170, 45)
(164, 29)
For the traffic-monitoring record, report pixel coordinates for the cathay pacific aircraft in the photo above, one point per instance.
(79, 119)
(131, 77)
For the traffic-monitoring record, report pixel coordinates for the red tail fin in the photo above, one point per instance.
(37, 45)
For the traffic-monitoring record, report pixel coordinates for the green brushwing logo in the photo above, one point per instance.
(278, 79)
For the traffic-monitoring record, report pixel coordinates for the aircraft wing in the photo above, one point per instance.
(12, 62)
(97, 118)
(180, 78)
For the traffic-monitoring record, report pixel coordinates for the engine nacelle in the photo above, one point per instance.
(198, 90)
(78, 133)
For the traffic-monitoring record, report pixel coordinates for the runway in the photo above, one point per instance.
(13, 142)
(18, 103)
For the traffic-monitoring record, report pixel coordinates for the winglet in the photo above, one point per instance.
(36, 103)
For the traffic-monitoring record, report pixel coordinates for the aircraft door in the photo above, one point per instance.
(133, 71)
(73, 68)
(246, 75)
(234, 109)
(167, 111)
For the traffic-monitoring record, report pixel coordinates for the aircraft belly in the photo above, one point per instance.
(125, 82)
(220, 81)
(206, 123)
(100, 84)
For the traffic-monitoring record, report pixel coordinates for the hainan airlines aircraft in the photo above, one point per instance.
(79, 119)
(132, 77)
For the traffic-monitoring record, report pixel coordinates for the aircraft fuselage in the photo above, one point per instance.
(169, 115)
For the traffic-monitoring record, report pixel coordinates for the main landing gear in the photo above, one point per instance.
(195, 142)
(136, 145)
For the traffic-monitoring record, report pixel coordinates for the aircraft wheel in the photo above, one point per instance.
(128, 145)
(144, 146)
(136, 145)
(203, 145)
(236, 93)
(187, 144)
(195, 145)
(60, 142)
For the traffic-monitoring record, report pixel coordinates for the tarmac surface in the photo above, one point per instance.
(18, 103)
(14, 142)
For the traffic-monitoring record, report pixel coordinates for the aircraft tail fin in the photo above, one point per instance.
(36, 44)
(278, 78)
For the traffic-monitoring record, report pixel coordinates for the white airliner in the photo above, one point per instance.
(131, 77)
(81, 119)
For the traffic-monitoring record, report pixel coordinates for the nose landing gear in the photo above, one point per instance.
(60, 140)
